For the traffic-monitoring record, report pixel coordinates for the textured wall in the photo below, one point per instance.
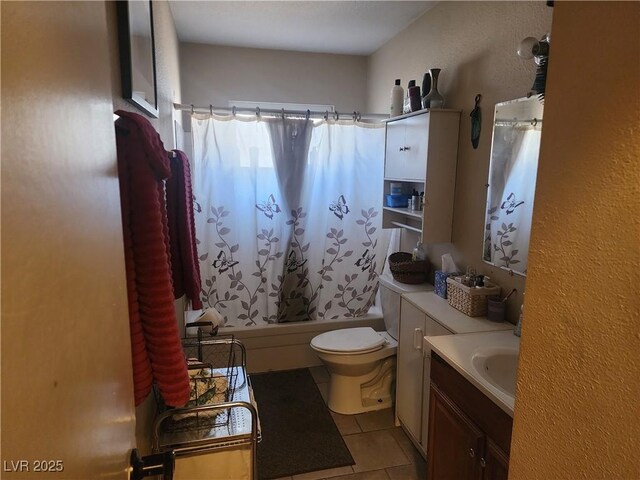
(576, 412)
(216, 74)
(474, 43)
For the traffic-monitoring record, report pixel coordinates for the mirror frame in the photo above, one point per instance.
(491, 165)
(126, 65)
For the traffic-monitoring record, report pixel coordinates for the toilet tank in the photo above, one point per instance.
(390, 292)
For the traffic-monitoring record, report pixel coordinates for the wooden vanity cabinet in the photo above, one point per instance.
(469, 435)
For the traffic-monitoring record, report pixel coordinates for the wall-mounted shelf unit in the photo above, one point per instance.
(421, 153)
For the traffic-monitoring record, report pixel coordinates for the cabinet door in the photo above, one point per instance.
(433, 329)
(416, 143)
(496, 463)
(409, 381)
(394, 150)
(455, 442)
(406, 148)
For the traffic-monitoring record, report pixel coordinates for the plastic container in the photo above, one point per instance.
(396, 201)
(419, 253)
(496, 309)
(397, 99)
(395, 188)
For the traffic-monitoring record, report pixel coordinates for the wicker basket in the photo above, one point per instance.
(405, 270)
(471, 301)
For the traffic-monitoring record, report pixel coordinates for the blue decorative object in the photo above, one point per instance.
(397, 201)
(440, 287)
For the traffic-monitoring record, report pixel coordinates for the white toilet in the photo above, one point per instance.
(361, 361)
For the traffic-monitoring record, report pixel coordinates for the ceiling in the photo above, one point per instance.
(346, 27)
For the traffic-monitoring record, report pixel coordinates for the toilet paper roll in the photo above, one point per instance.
(211, 315)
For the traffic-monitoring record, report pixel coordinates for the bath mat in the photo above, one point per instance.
(298, 432)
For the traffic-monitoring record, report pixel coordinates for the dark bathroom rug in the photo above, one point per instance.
(298, 432)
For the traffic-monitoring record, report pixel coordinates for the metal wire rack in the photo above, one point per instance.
(221, 413)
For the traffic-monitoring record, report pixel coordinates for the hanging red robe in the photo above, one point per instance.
(143, 165)
(185, 265)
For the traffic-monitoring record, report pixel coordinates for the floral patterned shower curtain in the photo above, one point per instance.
(287, 217)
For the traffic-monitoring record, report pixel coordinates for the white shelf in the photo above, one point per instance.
(408, 227)
(405, 211)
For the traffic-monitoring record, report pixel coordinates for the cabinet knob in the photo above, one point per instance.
(483, 463)
(402, 149)
(472, 453)
(406, 149)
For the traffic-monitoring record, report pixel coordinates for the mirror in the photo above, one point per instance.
(137, 55)
(517, 129)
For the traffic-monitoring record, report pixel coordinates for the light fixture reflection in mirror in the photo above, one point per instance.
(512, 180)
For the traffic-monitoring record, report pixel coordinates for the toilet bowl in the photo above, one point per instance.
(361, 364)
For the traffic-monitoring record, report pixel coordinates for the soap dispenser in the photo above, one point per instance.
(517, 330)
(419, 253)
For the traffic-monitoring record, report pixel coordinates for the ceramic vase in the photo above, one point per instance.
(434, 99)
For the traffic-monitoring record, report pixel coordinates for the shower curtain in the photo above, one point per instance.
(510, 197)
(287, 217)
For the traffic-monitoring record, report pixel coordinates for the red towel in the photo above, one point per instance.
(185, 266)
(143, 164)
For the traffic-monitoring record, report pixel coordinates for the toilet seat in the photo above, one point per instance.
(347, 341)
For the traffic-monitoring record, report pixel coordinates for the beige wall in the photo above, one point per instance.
(576, 413)
(474, 43)
(67, 389)
(169, 91)
(216, 74)
(167, 69)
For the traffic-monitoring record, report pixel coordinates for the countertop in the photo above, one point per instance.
(458, 351)
(453, 320)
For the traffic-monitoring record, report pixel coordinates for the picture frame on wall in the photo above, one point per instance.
(138, 55)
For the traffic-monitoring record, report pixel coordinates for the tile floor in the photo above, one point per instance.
(381, 450)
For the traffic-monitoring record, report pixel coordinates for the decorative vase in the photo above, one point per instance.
(434, 99)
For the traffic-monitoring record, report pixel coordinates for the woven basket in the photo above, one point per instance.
(471, 301)
(405, 270)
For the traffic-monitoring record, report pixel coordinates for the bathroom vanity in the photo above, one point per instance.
(426, 314)
(471, 398)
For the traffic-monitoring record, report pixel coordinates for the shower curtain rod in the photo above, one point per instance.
(282, 112)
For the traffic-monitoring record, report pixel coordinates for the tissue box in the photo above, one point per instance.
(440, 283)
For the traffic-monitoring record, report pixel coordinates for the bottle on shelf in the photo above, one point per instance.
(419, 253)
(397, 97)
(406, 106)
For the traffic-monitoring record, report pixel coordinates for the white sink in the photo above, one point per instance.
(498, 366)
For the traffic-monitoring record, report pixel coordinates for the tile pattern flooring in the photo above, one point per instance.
(381, 450)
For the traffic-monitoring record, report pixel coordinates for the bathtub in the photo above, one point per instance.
(285, 346)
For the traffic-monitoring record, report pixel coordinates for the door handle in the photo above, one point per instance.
(417, 339)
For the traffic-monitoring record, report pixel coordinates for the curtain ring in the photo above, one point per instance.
(193, 110)
(535, 121)
(326, 115)
(211, 110)
(359, 116)
(336, 115)
(355, 116)
(233, 110)
(308, 114)
(257, 111)
(282, 113)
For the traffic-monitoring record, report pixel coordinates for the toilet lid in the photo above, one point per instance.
(346, 340)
